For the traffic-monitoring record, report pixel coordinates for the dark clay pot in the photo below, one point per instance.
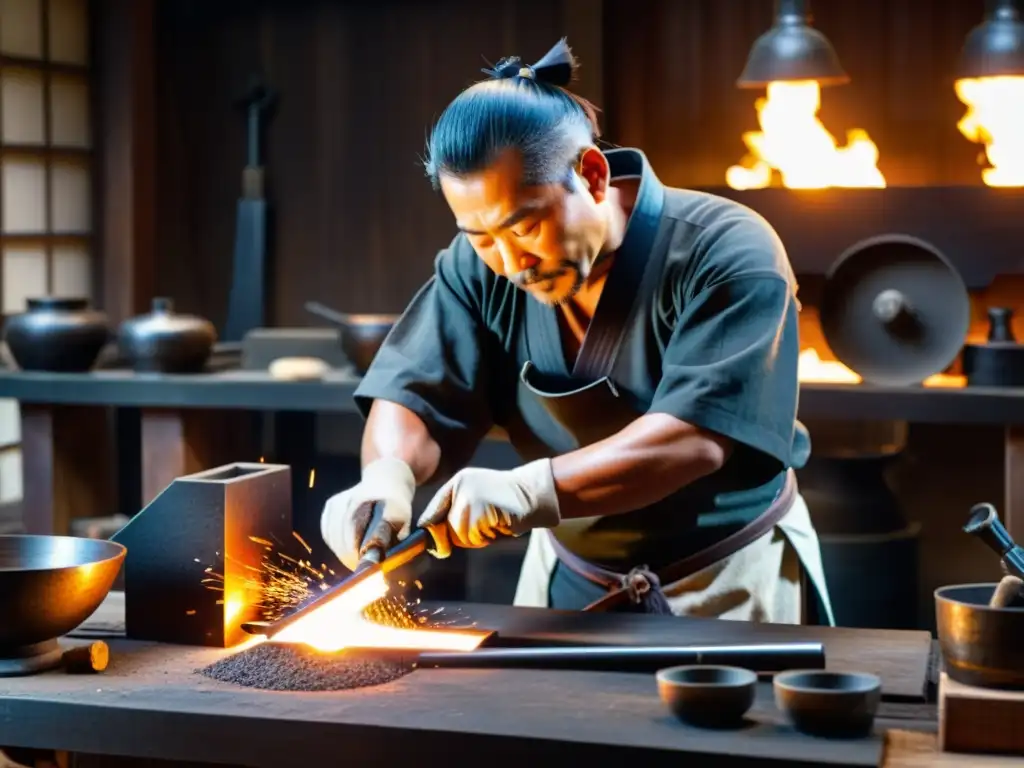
(56, 334)
(164, 342)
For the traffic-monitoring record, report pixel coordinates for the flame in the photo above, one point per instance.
(364, 616)
(342, 623)
(794, 142)
(811, 369)
(995, 118)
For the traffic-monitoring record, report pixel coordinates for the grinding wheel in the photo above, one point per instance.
(894, 310)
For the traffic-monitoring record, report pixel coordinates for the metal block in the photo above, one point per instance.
(192, 569)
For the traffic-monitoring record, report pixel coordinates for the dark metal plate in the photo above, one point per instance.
(894, 310)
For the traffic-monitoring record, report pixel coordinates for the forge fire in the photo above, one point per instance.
(796, 147)
(995, 118)
(371, 614)
(313, 653)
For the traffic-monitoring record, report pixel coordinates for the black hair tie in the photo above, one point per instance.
(554, 68)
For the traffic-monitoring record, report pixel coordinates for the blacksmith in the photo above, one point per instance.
(639, 345)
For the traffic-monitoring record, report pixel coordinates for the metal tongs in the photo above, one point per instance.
(375, 560)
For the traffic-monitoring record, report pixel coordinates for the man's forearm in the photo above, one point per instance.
(650, 459)
(394, 431)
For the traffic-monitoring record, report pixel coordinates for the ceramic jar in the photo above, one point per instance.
(62, 335)
(166, 342)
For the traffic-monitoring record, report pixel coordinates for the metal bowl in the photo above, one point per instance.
(51, 584)
(362, 336)
(981, 646)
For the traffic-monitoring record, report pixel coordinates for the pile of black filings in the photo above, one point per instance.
(291, 667)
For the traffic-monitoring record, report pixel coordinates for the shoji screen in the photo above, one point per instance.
(45, 172)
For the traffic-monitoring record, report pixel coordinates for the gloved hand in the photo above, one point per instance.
(477, 505)
(346, 515)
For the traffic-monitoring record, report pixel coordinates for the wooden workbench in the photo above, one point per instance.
(150, 704)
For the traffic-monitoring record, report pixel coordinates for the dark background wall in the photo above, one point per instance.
(357, 225)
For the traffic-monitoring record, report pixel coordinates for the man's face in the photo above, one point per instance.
(545, 238)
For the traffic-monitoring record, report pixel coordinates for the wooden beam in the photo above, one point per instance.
(125, 85)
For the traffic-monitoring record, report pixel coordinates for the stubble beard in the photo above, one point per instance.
(581, 270)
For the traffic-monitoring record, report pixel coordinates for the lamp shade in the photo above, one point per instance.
(792, 50)
(996, 46)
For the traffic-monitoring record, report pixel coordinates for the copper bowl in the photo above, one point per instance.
(981, 646)
(361, 335)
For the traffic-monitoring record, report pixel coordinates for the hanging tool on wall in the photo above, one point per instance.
(247, 303)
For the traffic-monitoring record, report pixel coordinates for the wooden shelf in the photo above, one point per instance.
(255, 390)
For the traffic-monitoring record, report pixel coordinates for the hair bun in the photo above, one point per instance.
(556, 67)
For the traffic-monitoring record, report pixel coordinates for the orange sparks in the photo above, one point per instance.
(302, 541)
(347, 622)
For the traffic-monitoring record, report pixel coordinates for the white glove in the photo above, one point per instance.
(346, 515)
(477, 505)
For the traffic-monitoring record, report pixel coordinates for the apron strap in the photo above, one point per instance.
(641, 587)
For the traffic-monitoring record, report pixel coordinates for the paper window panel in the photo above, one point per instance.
(21, 102)
(72, 203)
(21, 28)
(10, 422)
(69, 112)
(24, 276)
(10, 475)
(72, 272)
(24, 195)
(69, 31)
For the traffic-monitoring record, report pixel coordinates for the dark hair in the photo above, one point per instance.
(526, 108)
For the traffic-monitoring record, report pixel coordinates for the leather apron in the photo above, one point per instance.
(555, 416)
(759, 564)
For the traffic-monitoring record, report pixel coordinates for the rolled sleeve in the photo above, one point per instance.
(731, 365)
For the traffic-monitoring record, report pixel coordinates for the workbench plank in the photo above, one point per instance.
(150, 704)
(913, 749)
(233, 389)
(899, 657)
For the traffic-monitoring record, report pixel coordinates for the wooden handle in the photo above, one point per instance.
(375, 554)
(1006, 592)
(86, 659)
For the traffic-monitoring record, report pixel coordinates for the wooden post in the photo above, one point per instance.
(180, 442)
(1012, 513)
(125, 82)
(66, 465)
